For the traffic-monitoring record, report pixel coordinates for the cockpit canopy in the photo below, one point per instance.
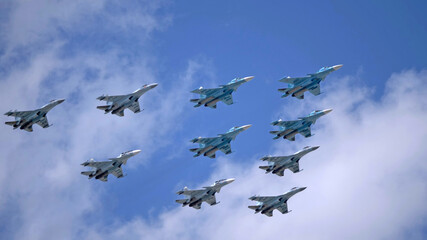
(219, 181)
(233, 129)
(323, 69)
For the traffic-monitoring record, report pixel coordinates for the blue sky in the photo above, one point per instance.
(79, 51)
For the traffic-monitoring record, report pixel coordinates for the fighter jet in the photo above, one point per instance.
(277, 165)
(114, 166)
(118, 104)
(208, 146)
(210, 96)
(206, 194)
(288, 129)
(297, 86)
(266, 205)
(25, 119)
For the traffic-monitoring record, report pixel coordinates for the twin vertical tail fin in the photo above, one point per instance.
(87, 173)
(194, 149)
(181, 201)
(253, 207)
(13, 123)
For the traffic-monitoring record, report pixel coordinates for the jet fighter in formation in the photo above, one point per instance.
(299, 85)
(104, 168)
(277, 165)
(288, 129)
(117, 104)
(266, 205)
(25, 119)
(206, 194)
(210, 96)
(208, 146)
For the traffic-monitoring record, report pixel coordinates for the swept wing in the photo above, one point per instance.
(43, 122)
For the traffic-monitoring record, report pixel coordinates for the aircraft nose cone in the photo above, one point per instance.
(230, 180)
(247, 79)
(136, 151)
(61, 101)
(336, 67)
(327, 110)
(153, 85)
(315, 147)
(246, 126)
(303, 188)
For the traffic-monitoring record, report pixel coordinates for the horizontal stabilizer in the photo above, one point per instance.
(253, 207)
(182, 201)
(264, 167)
(282, 89)
(11, 123)
(274, 132)
(103, 107)
(195, 100)
(87, 173)
(194, 149)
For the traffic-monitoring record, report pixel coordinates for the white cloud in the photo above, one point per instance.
(40, 174)
(366, 181)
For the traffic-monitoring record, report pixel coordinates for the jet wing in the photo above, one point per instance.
(97, 164)
(262, 199)
(283, 208)
(305, 132)
(211, 201)
(227, 99)
(191, 192)
(207, 91)
(43, 122)
(226, 148)
(275, 159)
(117, 172)
(204, 140)
(286, 124)
(135, 107)
(315, 90)
(294, 168)
(293, 81)
(20, 114)
(112, 98)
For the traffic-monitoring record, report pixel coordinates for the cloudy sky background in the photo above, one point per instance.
(368, 179)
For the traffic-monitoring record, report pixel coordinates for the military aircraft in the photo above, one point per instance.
(210, 96)
(25, 119)
(297, 86)
(208, 146)
(277, 165)
(118, 104)
(266, 205)
(114, 166)
(288, 129)
(207, 194)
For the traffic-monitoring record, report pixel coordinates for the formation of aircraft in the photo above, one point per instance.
(267, 204)
(206, 194)
(207, 146)
(25, 119)
(117, 104)
(102, 169)
(278, 164)
(288, 129)
(210, 96)
(299, 85)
